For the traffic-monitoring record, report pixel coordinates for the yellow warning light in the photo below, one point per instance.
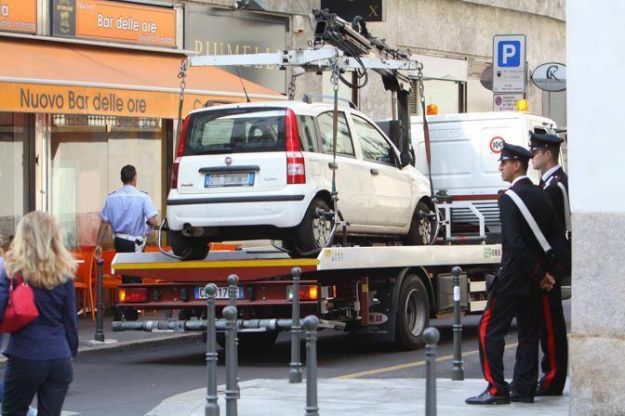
(521, 105)
(313, 293)
(122, 295)
(431, 110)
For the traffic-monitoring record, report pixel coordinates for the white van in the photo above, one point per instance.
(465, 151)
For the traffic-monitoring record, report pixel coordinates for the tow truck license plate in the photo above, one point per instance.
(215, 180)
(222, 293)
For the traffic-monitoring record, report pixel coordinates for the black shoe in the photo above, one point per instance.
(517, 398)
(541, 392)
(487, 398)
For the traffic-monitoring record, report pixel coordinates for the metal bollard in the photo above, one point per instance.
(212, 407)
(295, 372)
(431, 337)
(311, 323)
(99, 317)
(457, 372)
(233, 291)
(230, 315)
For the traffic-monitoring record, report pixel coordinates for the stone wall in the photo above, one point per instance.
(596, 148)
(459, 29)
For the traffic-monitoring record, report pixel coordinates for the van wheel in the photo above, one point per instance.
(188, 248)
(422, 227)
(313, 233)
(413, 313)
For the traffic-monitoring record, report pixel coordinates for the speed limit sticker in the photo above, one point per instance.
(496, 144)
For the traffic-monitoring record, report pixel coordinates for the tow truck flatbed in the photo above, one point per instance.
(252, 265)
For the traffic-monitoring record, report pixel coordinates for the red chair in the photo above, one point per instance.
(84, 281)
(109, 280)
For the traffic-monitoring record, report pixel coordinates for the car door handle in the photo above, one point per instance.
(333, 165)
(374, 172)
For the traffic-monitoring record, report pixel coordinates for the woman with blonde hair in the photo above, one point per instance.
(39, 354)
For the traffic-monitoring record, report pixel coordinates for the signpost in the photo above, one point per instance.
(506, 102)
(509, 66)
(509, 69)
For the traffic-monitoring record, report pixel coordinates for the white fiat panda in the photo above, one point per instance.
(264, 170)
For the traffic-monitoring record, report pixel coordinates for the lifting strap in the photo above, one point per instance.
(426, 130)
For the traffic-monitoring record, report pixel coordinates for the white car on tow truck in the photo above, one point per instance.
(264, 170)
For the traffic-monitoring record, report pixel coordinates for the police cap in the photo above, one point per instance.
(543, 140)
(512, 152)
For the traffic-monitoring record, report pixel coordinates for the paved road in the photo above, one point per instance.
(133, 382)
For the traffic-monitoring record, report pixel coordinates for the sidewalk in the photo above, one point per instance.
(362, 397)
(126, 340)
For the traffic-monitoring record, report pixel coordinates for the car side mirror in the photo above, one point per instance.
(405, 159)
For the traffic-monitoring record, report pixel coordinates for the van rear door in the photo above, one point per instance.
(234, 150)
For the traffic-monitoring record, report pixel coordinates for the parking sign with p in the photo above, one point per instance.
(509, 64)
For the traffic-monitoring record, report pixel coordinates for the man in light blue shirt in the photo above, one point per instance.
(126, 211)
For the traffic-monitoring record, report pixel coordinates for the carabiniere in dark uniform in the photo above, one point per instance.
(515, 292)
(545, 150)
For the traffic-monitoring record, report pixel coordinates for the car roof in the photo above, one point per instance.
(296, 106)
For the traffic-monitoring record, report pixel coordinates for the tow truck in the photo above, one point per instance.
(388, 292)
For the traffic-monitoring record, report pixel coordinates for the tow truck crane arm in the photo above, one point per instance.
(339, 45)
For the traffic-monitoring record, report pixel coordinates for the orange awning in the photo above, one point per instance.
(58, 77)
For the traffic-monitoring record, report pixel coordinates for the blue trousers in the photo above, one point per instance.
(48, 379)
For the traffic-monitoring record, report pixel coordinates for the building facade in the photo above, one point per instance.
(97, 87)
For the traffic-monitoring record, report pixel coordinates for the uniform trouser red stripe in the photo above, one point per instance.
(553, 342)
(493, 327)
(483, 330)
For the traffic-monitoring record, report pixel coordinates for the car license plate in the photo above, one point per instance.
(222, 293)
(214, 180)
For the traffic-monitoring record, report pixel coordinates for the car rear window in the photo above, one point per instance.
(237, 130)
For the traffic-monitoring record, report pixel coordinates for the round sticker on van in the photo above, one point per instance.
(496, 144)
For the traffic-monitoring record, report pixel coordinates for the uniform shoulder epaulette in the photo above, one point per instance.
(143, 192)
(111, 193)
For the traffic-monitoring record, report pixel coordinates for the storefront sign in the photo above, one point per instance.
(370, 10)
(18, 16)
(218, 32)
(114, 21)
(61, 99)
(550, 77)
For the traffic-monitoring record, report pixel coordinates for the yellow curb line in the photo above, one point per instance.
(408, 365)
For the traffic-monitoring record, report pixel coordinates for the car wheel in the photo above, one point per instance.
(314, 231)
(188, 248)
(422, 227)
(413, 313)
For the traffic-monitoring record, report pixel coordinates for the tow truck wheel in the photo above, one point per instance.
(413, 313)
(422, 227)
(313, 233)
(188, 248)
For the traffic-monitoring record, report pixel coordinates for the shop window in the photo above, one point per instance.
(87, 154)
(13, 142)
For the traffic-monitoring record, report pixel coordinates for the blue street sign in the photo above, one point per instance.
(509, 53)
(509, 66)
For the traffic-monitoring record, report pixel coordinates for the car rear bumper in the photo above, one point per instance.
(282, 211)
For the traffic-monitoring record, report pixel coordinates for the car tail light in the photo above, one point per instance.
(306, 292)
(182, 141)
(295, 168)
(133, 295)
